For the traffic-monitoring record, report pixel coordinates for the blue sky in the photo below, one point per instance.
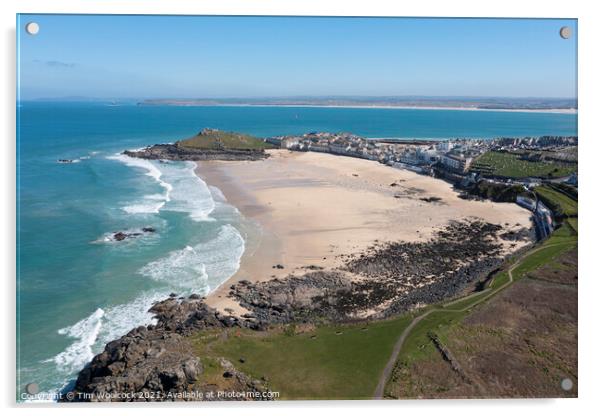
(198, 57)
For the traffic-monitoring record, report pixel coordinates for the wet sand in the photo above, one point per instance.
(310, 208)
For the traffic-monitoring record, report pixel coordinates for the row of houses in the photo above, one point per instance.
(449, 154)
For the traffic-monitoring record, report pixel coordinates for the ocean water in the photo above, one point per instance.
(79, 289)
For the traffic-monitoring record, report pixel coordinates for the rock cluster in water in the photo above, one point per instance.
(122, 235)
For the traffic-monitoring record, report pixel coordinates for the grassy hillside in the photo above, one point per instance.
(511, 165)
(560, 203)
(420, 370)
(326, 362)
(212, 139)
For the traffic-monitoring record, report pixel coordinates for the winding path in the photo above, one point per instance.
(386, 374)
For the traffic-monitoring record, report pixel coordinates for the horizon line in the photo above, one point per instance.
(310, 96)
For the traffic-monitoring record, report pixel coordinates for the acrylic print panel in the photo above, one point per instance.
(283, 208)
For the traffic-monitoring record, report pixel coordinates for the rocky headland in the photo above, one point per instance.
(208, 144)
(157, 362)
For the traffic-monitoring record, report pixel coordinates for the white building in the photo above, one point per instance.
(455, 162)
(445, 146)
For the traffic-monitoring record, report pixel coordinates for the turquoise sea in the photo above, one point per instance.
(79, 289)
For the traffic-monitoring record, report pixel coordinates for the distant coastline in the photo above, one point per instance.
(558, 106)
(385, 107)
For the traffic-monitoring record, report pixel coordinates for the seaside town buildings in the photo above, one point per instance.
(414, 155)
(454, 156)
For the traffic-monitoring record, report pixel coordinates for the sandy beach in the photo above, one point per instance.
(314, 207)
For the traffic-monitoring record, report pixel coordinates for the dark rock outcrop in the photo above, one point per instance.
(143, 365)
(182, 153)
(389, 279)
(157, 363)
(122, 235)
(292, 299)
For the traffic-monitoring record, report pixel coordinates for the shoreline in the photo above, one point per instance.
(360, 209)
(261, 245)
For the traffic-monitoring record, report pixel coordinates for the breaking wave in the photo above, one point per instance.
(152, 203)
(200, 268)
(193, 269)
(183, 191)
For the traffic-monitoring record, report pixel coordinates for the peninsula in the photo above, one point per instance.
(208, 144)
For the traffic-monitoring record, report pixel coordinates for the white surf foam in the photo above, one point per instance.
(181, 268)
(217, 194)
(190, 194)
(85, 332)
(200, 268)
(194, 269)
(153, 171)
(120, 319)
(92, 333)
(184, 190)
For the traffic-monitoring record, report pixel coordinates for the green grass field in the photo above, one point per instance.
(328, 362)
(560, 203)
(217, 140)
(510, 165)
(574, 223)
